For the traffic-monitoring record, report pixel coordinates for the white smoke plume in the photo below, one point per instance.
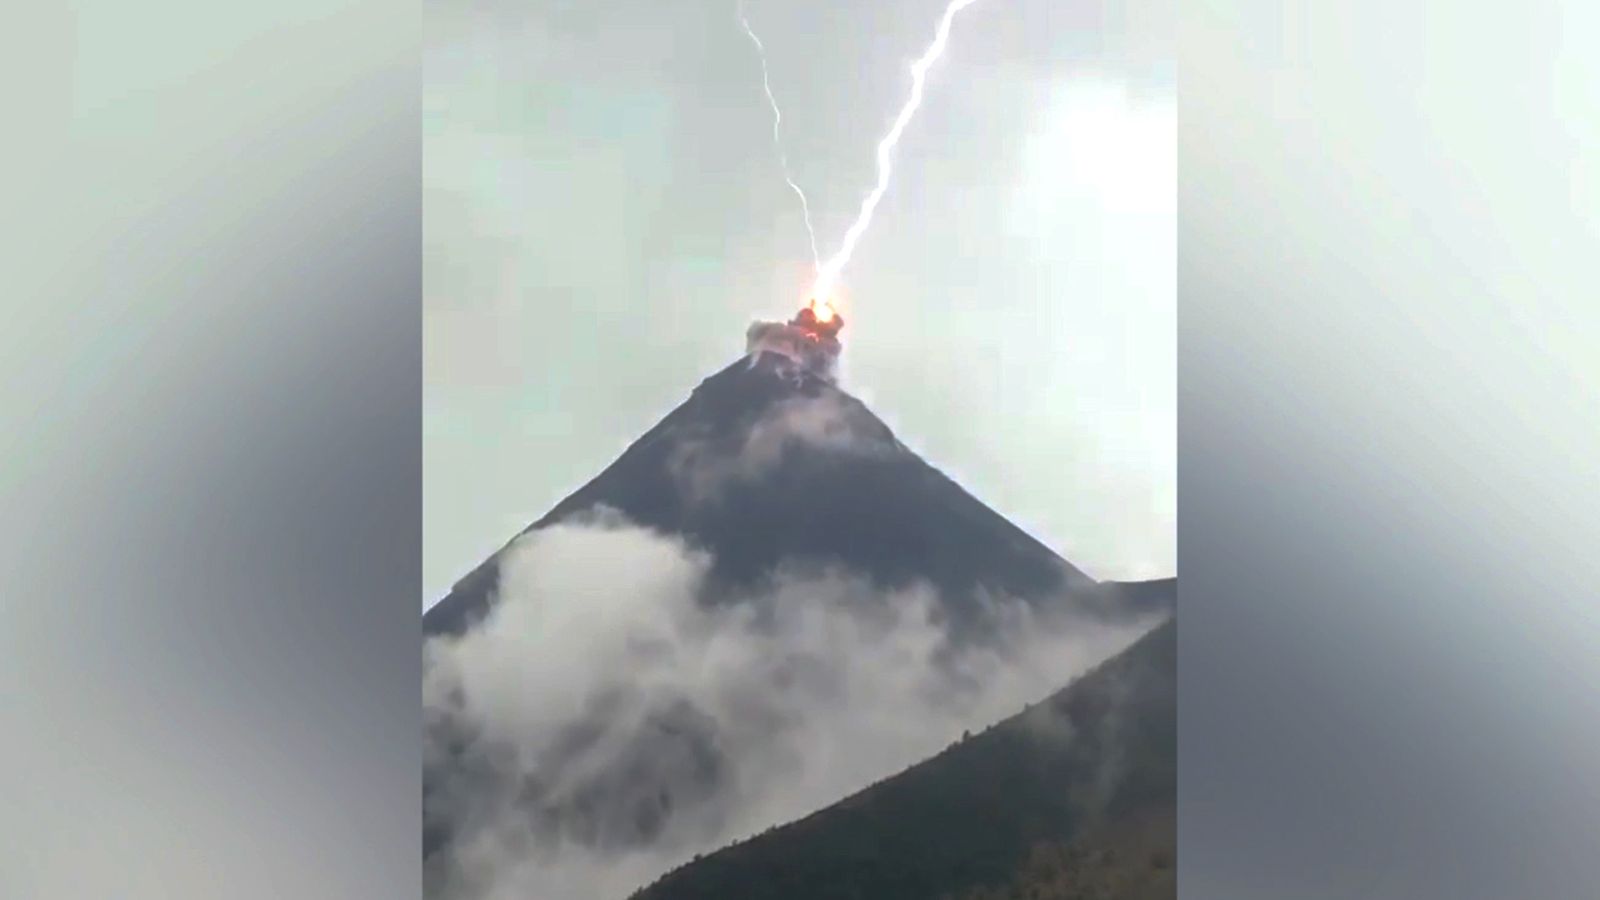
(703, 468)
(601, 683)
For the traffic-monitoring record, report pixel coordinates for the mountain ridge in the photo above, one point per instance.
(1087, 766)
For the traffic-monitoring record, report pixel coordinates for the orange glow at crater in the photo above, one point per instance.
(818, 321)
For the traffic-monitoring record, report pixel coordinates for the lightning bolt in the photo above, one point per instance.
(828, 272)
(777, 141)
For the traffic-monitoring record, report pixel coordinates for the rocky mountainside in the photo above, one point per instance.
(1072, 798)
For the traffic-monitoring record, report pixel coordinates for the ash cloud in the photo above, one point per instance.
(805, 341)
(605, 725)
(703, 466)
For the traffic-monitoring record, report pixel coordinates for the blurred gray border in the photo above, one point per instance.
(209, 386)
(211, 451)
(1389, 423)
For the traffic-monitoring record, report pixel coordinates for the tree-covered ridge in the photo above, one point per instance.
(1130, 860)
(1021, 805)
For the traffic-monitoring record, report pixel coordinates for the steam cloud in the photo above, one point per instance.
(703, 467)
(613, 726)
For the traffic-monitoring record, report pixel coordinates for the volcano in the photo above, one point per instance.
(768, 468)
(769, 460)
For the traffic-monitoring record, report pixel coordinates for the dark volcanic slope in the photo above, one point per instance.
(765, 465)
(1072, 798)
(834, 486)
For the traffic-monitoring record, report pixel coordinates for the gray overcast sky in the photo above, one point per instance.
(604, 215)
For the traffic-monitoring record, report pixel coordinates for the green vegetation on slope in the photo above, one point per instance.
(1060, 797)
(1129, 860)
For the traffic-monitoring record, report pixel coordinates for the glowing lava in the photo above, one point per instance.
(810, 339)
(818, 321)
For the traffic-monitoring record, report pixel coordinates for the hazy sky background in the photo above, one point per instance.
(604, 215)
